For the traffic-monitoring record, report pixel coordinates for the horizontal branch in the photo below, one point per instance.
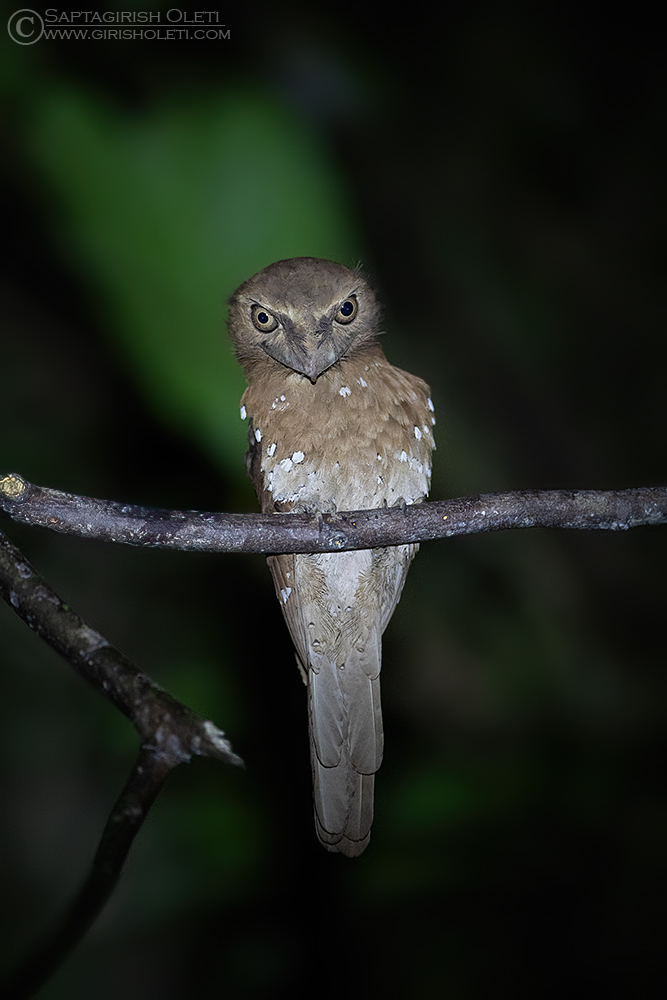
(85, 517)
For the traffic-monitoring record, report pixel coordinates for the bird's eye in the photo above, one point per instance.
(263, 320)
(347, 310)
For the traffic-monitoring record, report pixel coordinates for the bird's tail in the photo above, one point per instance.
(346, 743)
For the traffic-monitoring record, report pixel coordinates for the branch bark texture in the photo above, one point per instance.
(169, 728)
(615, 510)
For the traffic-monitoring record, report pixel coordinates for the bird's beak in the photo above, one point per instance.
(310, 355)
(318, 359)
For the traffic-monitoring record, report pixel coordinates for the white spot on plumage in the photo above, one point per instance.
(379, 457)
(271, 450)
(426, 429)
(286, 464)
(344, 391)
(258, 434)
(429, 403)
(362, 383)
(418, 433)
(243, 413)
(297, 457)
(282, 399)
(403, 457)
(284, 593)
(433, 421)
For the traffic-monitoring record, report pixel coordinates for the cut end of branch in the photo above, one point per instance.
(13, 485)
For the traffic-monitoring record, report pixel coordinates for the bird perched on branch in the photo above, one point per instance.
(332, 426)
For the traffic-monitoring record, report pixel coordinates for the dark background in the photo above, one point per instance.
(499, 169)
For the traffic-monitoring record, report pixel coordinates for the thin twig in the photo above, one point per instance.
(145, 782)
(616, 510)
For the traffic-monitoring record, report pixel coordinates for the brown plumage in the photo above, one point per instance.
(332, 426)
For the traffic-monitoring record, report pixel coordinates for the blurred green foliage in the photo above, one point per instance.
(166, 210)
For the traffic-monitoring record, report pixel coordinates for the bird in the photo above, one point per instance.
(332, 426)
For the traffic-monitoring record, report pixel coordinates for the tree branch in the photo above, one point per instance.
(173, 731)
(615, 510)
(171, 735)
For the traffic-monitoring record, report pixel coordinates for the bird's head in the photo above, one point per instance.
(305, 313)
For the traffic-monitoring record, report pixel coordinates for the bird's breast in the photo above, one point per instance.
(360, 437)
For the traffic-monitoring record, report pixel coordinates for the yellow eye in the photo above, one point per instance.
(263, 319)
(347, 310)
